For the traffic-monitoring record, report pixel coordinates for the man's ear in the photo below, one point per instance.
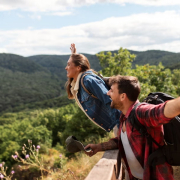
(123, 96)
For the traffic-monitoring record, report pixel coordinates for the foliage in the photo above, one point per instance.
(18, 88)
(49, 128)
(31, 158)
(152, 78)
(81, 127)
(33, 81)
(18, 132)
(119, 63)
(29, 81)
(45, 104)
(55, 121)
(32, 162)
(19, 63)
(48, 120)
(152, 57)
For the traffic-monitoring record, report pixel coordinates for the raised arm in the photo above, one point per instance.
(172, 108)
(101, 147)
(73, 48)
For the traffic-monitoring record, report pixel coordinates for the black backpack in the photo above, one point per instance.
(170, 152)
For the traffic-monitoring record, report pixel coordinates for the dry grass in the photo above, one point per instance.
(78, 168)
(82, 166)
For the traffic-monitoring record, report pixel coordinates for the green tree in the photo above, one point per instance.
(119, 63)
(152, 78)
(55, 120)
(81, 127)
(175, 80)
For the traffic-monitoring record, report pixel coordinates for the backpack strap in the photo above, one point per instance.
(136, 124)
(82, 84)
(105, 79)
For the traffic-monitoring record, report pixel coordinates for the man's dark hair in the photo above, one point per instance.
(127, 84)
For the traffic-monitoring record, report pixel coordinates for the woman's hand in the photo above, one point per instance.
(73, 48)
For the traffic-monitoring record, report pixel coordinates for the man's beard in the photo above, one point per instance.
(116, 105)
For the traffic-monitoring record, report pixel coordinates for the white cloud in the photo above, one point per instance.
(3, 50)
(62, 5)
(136, 32)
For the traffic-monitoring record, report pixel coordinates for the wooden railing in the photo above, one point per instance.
(107, 168)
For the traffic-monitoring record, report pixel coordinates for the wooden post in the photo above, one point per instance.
(107, 167)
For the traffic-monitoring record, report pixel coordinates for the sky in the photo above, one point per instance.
(34, 27)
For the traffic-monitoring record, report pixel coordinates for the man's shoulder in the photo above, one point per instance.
(143, 105)
(150, 111)
(146, 106)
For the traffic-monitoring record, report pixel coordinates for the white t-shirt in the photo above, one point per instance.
(134, 165)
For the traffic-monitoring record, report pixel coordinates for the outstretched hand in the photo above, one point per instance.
(94, 149)
(73, 48)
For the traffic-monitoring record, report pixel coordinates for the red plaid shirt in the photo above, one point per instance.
(151, 116)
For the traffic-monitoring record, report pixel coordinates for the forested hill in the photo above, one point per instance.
(23, 81)
(154, 57)
(39, 78)
(168, 59)
(56, 63)
(18, 63)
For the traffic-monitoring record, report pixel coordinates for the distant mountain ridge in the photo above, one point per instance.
(154, 57)
(56, 63)
(19, 63)
(37, 78)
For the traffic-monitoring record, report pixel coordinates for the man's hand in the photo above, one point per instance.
(73, 48)
(100, 147)
(94, 149)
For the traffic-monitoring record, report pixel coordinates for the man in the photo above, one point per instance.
(134, 148)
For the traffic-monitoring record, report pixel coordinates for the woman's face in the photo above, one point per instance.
(72, 70)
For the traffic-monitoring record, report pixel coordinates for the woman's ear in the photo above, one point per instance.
(79, 68)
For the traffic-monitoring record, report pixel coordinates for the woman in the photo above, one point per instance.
(96, 104)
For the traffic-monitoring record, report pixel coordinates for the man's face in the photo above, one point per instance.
(115, 96)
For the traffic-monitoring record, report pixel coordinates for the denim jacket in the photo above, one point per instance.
(98, 110)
